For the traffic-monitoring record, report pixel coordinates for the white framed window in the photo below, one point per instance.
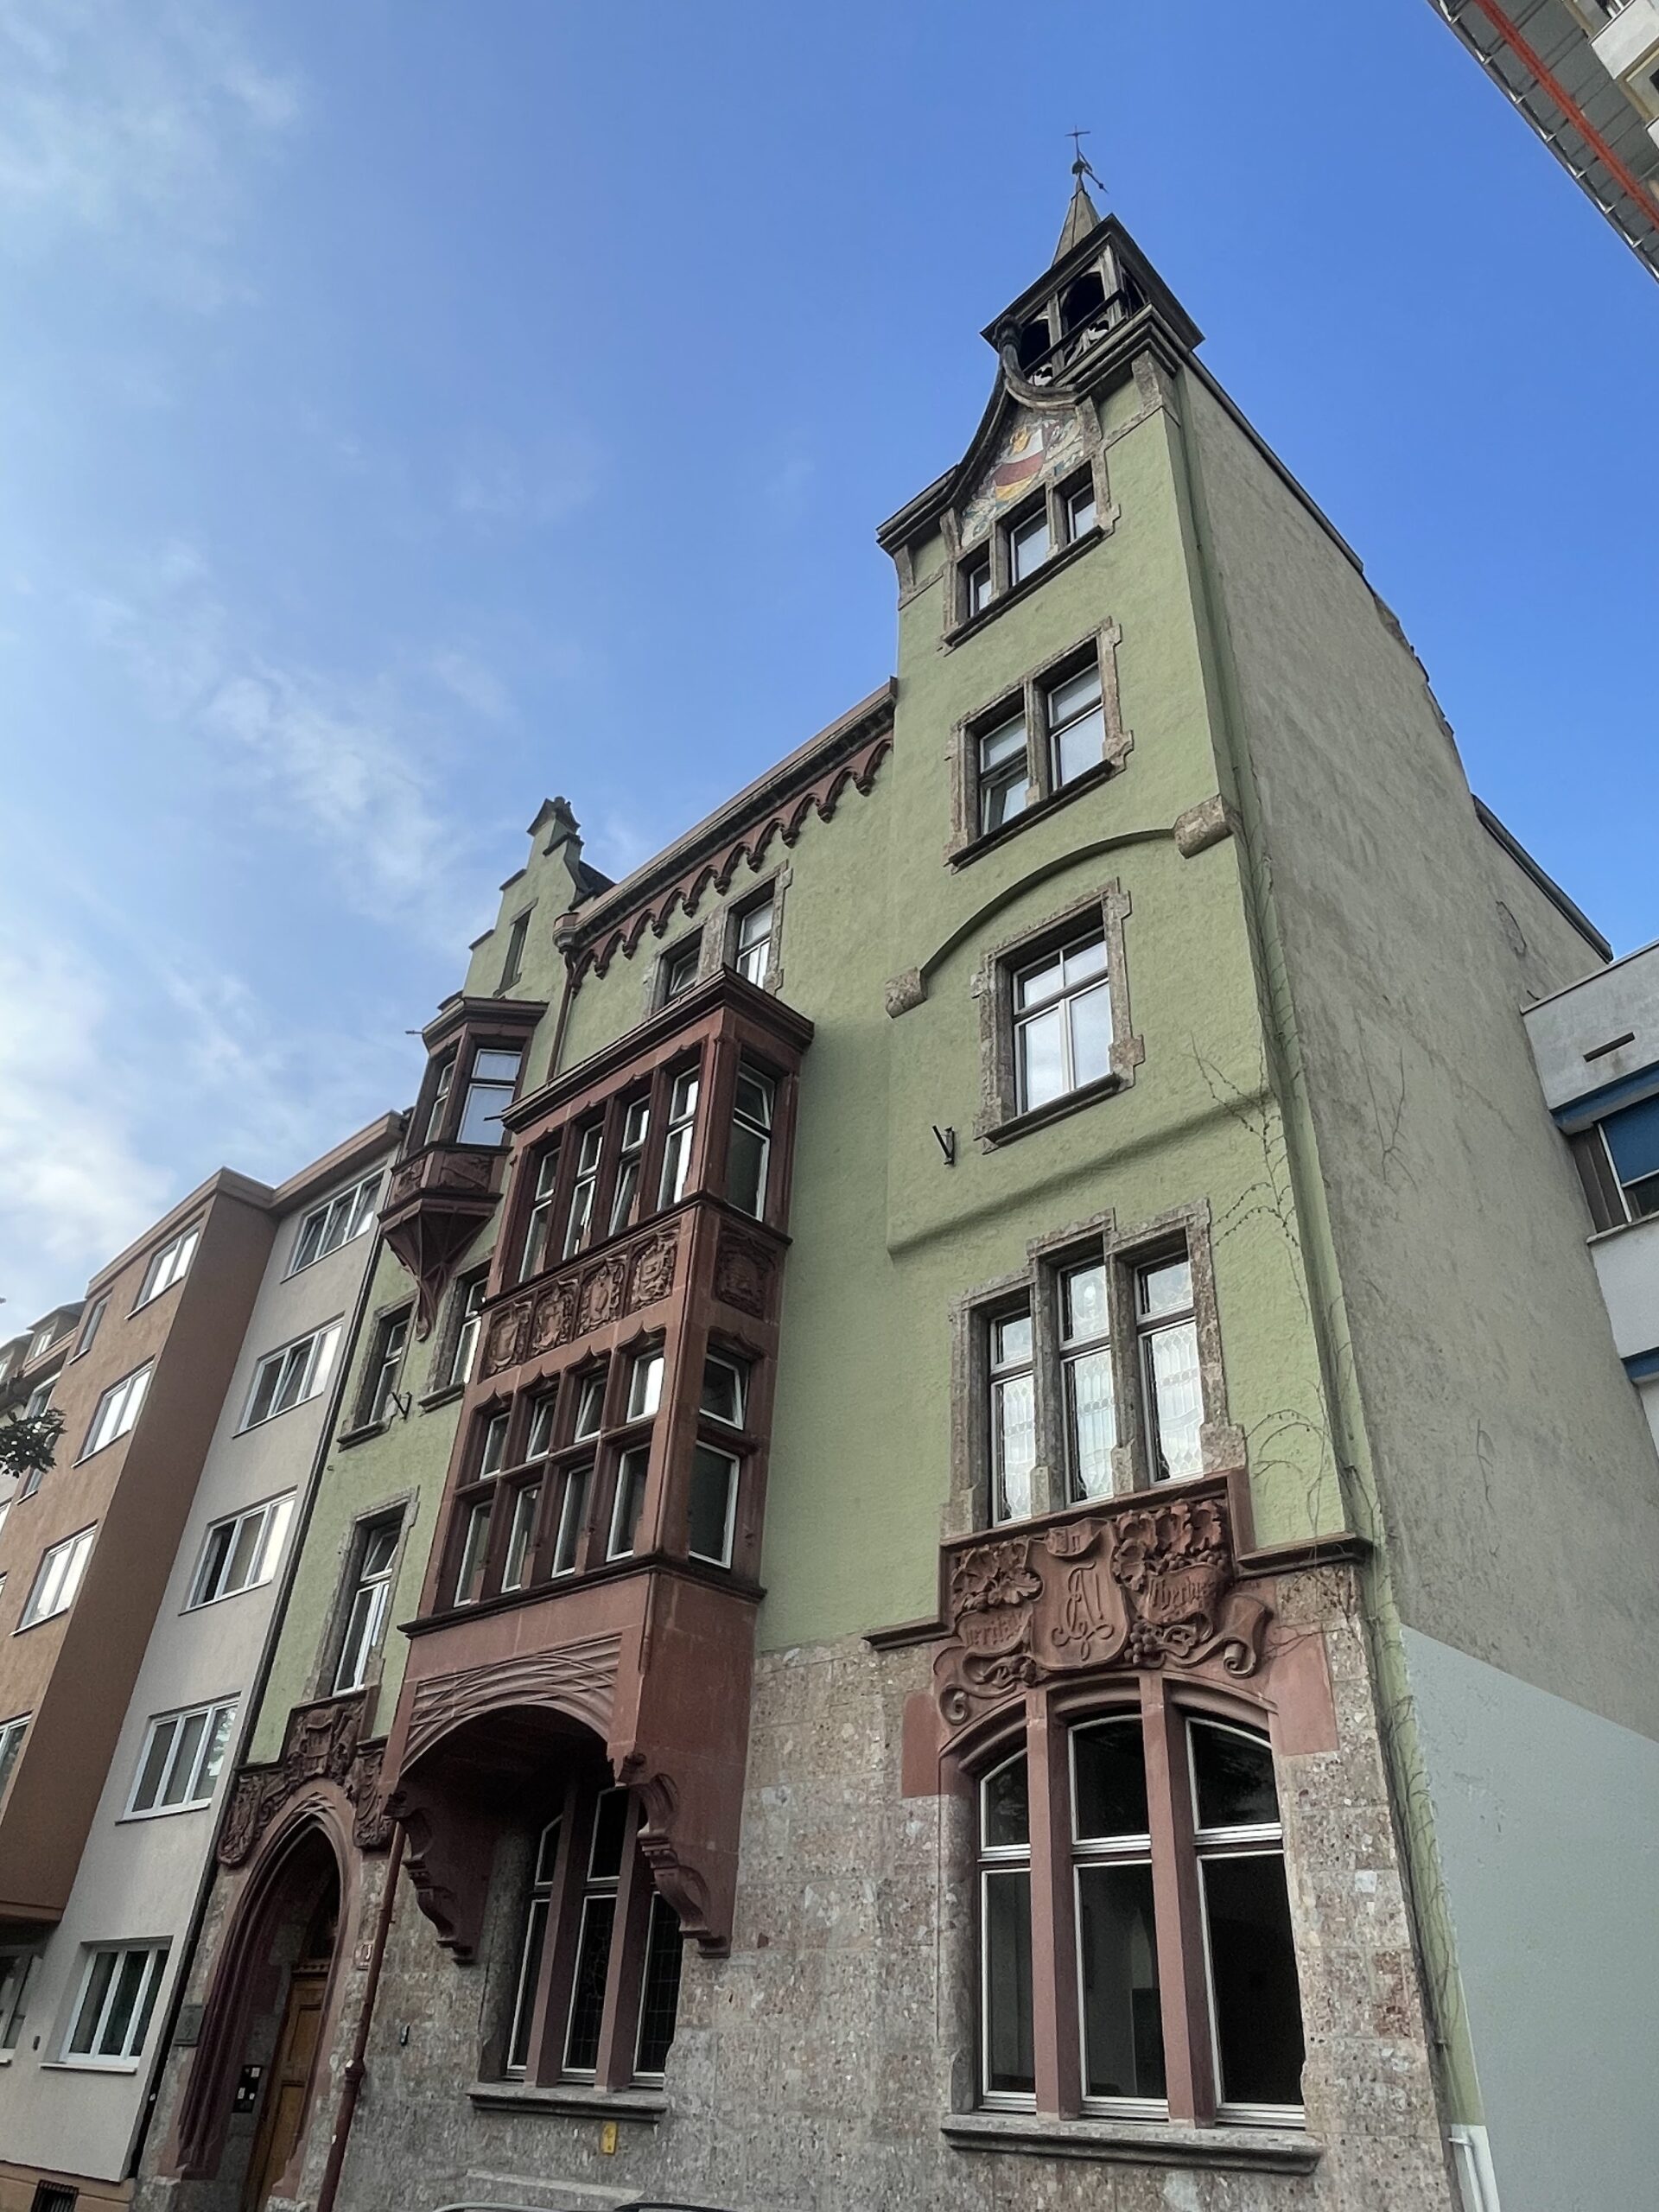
(58, 1577)
(182, 1757)
(1631, 1137)
(725, 1390)
(679, 970)
(1171, 1383)
(976, 586)
(751, 1150)
(93, 1315)
(752, 943)
(676, 1144)
(469, 1320)
(1256, 2013)
(116, 1411)
(1077, 502)
(573, 1516)
(631, 1470)
(490, 1087)
(1075, 716)
(714, 1506)
(289, 1377)
(1007, 2066)
(636, 1128)
(1123, 2065)
(474, 1554)
(645, 1385)
(371, 1601)
(118, 1987)
(1014, 1417)
(521, 1535)
(336, 1222)
(579, 1228)
(540, 1903)
(493, 1454)
(590, 1405)
(168, 1264)
(1004, 773)
(12, 1733)
(513, 967)
(1063, 1022)
(538, 1226)
(385, 1368)
(241, 1552)
(39, 1399)
(1086, 1373)
(1029, 545)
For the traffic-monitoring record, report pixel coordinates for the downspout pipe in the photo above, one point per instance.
(357, 2065)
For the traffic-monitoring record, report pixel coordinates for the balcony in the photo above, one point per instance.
(1628, 39)
(435, 1203)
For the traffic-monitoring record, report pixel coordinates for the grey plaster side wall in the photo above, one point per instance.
(138, 1878)
(1547, 1820)
(1515, 1477)
(812, 2068)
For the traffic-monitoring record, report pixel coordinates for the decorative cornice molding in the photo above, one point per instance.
(810, 781)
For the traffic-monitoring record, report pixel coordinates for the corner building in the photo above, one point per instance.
(976, 1333)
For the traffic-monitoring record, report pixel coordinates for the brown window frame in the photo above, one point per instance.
(1043, 1733)
(539, 1986)
(1038, 1289)
(1027, 697)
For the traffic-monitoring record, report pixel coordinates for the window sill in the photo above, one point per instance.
(1140, 2143)
(436, 1398)
(89, 2066)
(1056, 1110)
(576, 2099)
(987, 841)
(347, 1437)
(1014, 593)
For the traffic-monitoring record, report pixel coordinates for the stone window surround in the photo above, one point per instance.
(999, 1118)
(371, 1335)
(1037, 1286)
(1054, 499)
(440, 1392)
(717, 939)
(967, 840)
(319, 1688)
(1040, 1725)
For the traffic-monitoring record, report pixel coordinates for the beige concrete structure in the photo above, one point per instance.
(136, 1692)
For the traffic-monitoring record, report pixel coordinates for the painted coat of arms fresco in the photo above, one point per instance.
(1034, 447)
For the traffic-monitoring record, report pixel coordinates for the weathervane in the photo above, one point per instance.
(1080, 167)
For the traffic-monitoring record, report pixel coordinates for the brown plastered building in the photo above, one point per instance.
(73, 1671)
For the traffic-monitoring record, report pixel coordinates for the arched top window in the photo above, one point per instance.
(1136, 1949)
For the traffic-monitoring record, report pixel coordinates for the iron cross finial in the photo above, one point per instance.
(1081, 167)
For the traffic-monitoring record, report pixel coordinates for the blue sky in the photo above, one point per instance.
(410, 410)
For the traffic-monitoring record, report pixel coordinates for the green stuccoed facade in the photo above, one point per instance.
(1435, 1490)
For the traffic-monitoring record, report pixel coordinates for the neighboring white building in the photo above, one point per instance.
(1597, 1047)
(75, 2079)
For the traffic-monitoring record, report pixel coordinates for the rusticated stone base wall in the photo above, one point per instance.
(814, 2066)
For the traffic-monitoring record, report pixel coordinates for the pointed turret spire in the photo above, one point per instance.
(1081, 216)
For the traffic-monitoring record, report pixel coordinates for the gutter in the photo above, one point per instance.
(255, 1701)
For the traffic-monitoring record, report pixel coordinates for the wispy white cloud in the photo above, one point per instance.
(500, 484)
(132, 126)
(74, 1187)
(354, 764)
(176, 1060)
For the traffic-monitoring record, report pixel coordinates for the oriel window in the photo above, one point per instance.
(490, 1087)
(584, 1190)
(636, 1128)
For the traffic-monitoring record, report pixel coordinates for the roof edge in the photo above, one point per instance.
(1552, 890)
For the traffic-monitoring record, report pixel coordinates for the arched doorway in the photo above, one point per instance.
(299, 1998)
(249, 2099)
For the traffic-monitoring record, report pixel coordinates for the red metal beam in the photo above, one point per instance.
(1643, 194)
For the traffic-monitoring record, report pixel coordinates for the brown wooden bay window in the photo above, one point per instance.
(1135, 1952)
(596, 1971)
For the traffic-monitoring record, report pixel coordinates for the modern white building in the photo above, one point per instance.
(88, 2001)
(1585, 73)
(1597, 1047)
